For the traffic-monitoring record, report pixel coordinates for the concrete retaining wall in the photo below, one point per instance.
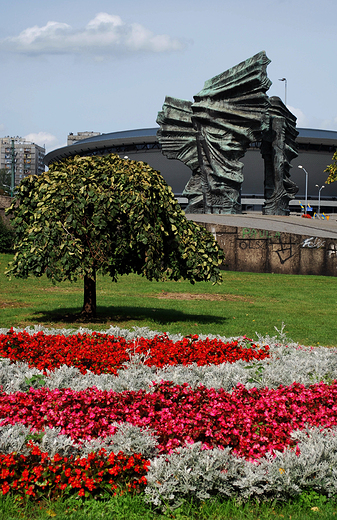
(265, 251)
(259, 250)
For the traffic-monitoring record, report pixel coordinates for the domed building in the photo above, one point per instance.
(315, 150)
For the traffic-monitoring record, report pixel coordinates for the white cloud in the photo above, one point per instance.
(42, 139)
(105, 34)
(313, 122)
(105, 19)
(302, 120)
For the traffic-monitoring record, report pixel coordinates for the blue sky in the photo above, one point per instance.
(105, 66)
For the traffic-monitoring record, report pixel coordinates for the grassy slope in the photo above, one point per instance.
(245, 303)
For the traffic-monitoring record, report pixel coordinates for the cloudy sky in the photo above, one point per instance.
(106, 66)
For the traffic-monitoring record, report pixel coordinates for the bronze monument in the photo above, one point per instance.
(211, 134)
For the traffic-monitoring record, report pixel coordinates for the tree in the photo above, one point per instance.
(332, 170)
(105, 213)
(6, 237)
(5, 182)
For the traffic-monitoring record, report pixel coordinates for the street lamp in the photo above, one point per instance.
(285, 90)
(319, 197)
(306, 187)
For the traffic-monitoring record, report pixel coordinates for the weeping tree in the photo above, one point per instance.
(332, 170)
(107, 214)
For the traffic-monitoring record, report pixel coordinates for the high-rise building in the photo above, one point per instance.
(27, 157)
(73, 138)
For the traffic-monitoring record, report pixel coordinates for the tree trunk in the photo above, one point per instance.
(89, 305)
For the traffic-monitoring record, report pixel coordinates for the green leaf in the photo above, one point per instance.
(107, 213)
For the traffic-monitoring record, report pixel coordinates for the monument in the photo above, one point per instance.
(212, 134)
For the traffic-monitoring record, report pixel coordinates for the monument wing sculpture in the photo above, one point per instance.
(230, 113)
(177, 137)
(278, 148)
(212, 134)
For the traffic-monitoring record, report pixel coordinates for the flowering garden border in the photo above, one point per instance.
(188, 422)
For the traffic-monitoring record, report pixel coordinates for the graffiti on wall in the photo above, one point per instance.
(313, 243)
(252, 233)
(253, 239)
(251, 244)
(332, 251)
(286, 250)
(284, 245)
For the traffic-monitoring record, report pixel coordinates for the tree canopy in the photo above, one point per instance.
(110, 214)
(332, 170)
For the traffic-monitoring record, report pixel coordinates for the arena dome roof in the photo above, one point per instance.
(123, 141)
(315, 149)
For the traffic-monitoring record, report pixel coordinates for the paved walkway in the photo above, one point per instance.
(291, 224)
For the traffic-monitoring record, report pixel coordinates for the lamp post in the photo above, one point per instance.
(319, 197)
(306, 187)
(285, 90)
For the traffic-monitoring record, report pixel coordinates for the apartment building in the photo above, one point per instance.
(27, 157)
(73, 138)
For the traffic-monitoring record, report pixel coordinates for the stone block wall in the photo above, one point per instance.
(262, 251)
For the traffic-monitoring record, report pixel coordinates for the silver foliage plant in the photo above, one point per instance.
(129, 335)
(128, 438)
(284, 367)
(191, 471)
(288, 362)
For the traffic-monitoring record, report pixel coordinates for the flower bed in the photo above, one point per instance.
(38, 475)
(232, 417)
(250, 422)
(101, 353)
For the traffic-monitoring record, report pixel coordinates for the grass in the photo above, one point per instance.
(133, 508)
(245, 303)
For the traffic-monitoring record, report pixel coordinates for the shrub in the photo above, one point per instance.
(6, 238)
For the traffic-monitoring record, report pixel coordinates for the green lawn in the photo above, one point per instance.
(245, 303)
(126, 507)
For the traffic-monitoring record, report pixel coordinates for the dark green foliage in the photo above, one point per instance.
(105, 213)
(5, 182)
(6, 238)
